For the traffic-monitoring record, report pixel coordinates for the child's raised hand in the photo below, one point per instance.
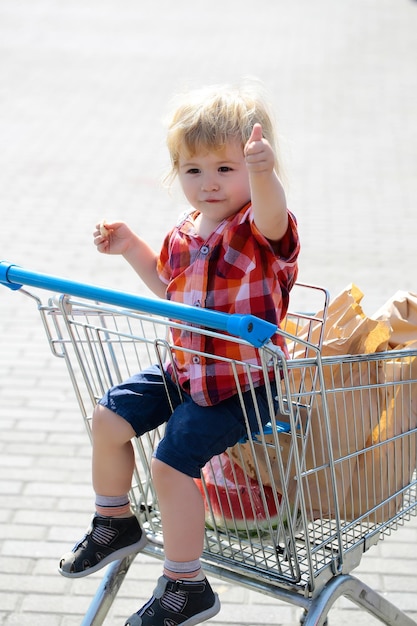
(113, 238)
(258, 152)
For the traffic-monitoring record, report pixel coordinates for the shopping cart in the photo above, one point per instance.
(291, 508)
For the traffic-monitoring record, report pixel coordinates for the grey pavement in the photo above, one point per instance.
(85, 86)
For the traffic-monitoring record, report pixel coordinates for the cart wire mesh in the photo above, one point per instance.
(299, 501)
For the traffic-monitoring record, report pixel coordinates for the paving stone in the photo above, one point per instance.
(85, 88)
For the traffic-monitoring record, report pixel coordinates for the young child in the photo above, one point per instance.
(235, 251)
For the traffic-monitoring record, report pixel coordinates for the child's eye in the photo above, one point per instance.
(193, 170)
(225, 168)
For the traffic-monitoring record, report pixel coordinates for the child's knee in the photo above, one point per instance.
(162, 471)
(100, 422)
(100, 416)
(107, 425)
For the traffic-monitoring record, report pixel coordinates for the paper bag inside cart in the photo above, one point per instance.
(354, 448)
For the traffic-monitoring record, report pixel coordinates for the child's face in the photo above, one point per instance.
(215, 183)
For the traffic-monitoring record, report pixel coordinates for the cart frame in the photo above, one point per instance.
(306, 553)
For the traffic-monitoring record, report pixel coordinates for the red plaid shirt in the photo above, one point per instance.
(236, 270)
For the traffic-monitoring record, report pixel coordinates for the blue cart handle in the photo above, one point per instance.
(248, 327)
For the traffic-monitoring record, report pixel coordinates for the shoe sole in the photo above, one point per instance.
(134, 548)
(204, 615)
(192, 621)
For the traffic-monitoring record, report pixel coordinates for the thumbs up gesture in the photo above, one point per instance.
(258, 152)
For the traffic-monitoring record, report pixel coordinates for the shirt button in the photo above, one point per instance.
(196, 359)
(204, 249)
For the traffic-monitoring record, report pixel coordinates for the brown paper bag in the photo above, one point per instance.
(401, 314)
(344, 438)
(387, 463)
(347, 329)
(359, 411)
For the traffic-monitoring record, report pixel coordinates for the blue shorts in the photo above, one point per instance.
(194, 433)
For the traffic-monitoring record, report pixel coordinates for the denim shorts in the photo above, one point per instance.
(193, 433)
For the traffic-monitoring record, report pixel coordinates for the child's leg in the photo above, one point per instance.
(136, 406)
(183, 594)
(114, 532)
(113, 456)
(182, 513)
(193, 435)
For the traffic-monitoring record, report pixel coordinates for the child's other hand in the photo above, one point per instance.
(113, 238)
(258, 152)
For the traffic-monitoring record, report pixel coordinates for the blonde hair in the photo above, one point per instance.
(208, 118)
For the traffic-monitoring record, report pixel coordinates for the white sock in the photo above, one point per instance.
(184, 569)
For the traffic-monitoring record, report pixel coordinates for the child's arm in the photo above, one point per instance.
(118, 238)
(269, 204)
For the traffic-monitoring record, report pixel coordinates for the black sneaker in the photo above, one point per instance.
(108, 539)
(177, 602)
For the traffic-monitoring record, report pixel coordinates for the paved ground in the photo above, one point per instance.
(84, 89)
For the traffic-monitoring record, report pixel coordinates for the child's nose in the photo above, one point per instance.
(209, 183)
